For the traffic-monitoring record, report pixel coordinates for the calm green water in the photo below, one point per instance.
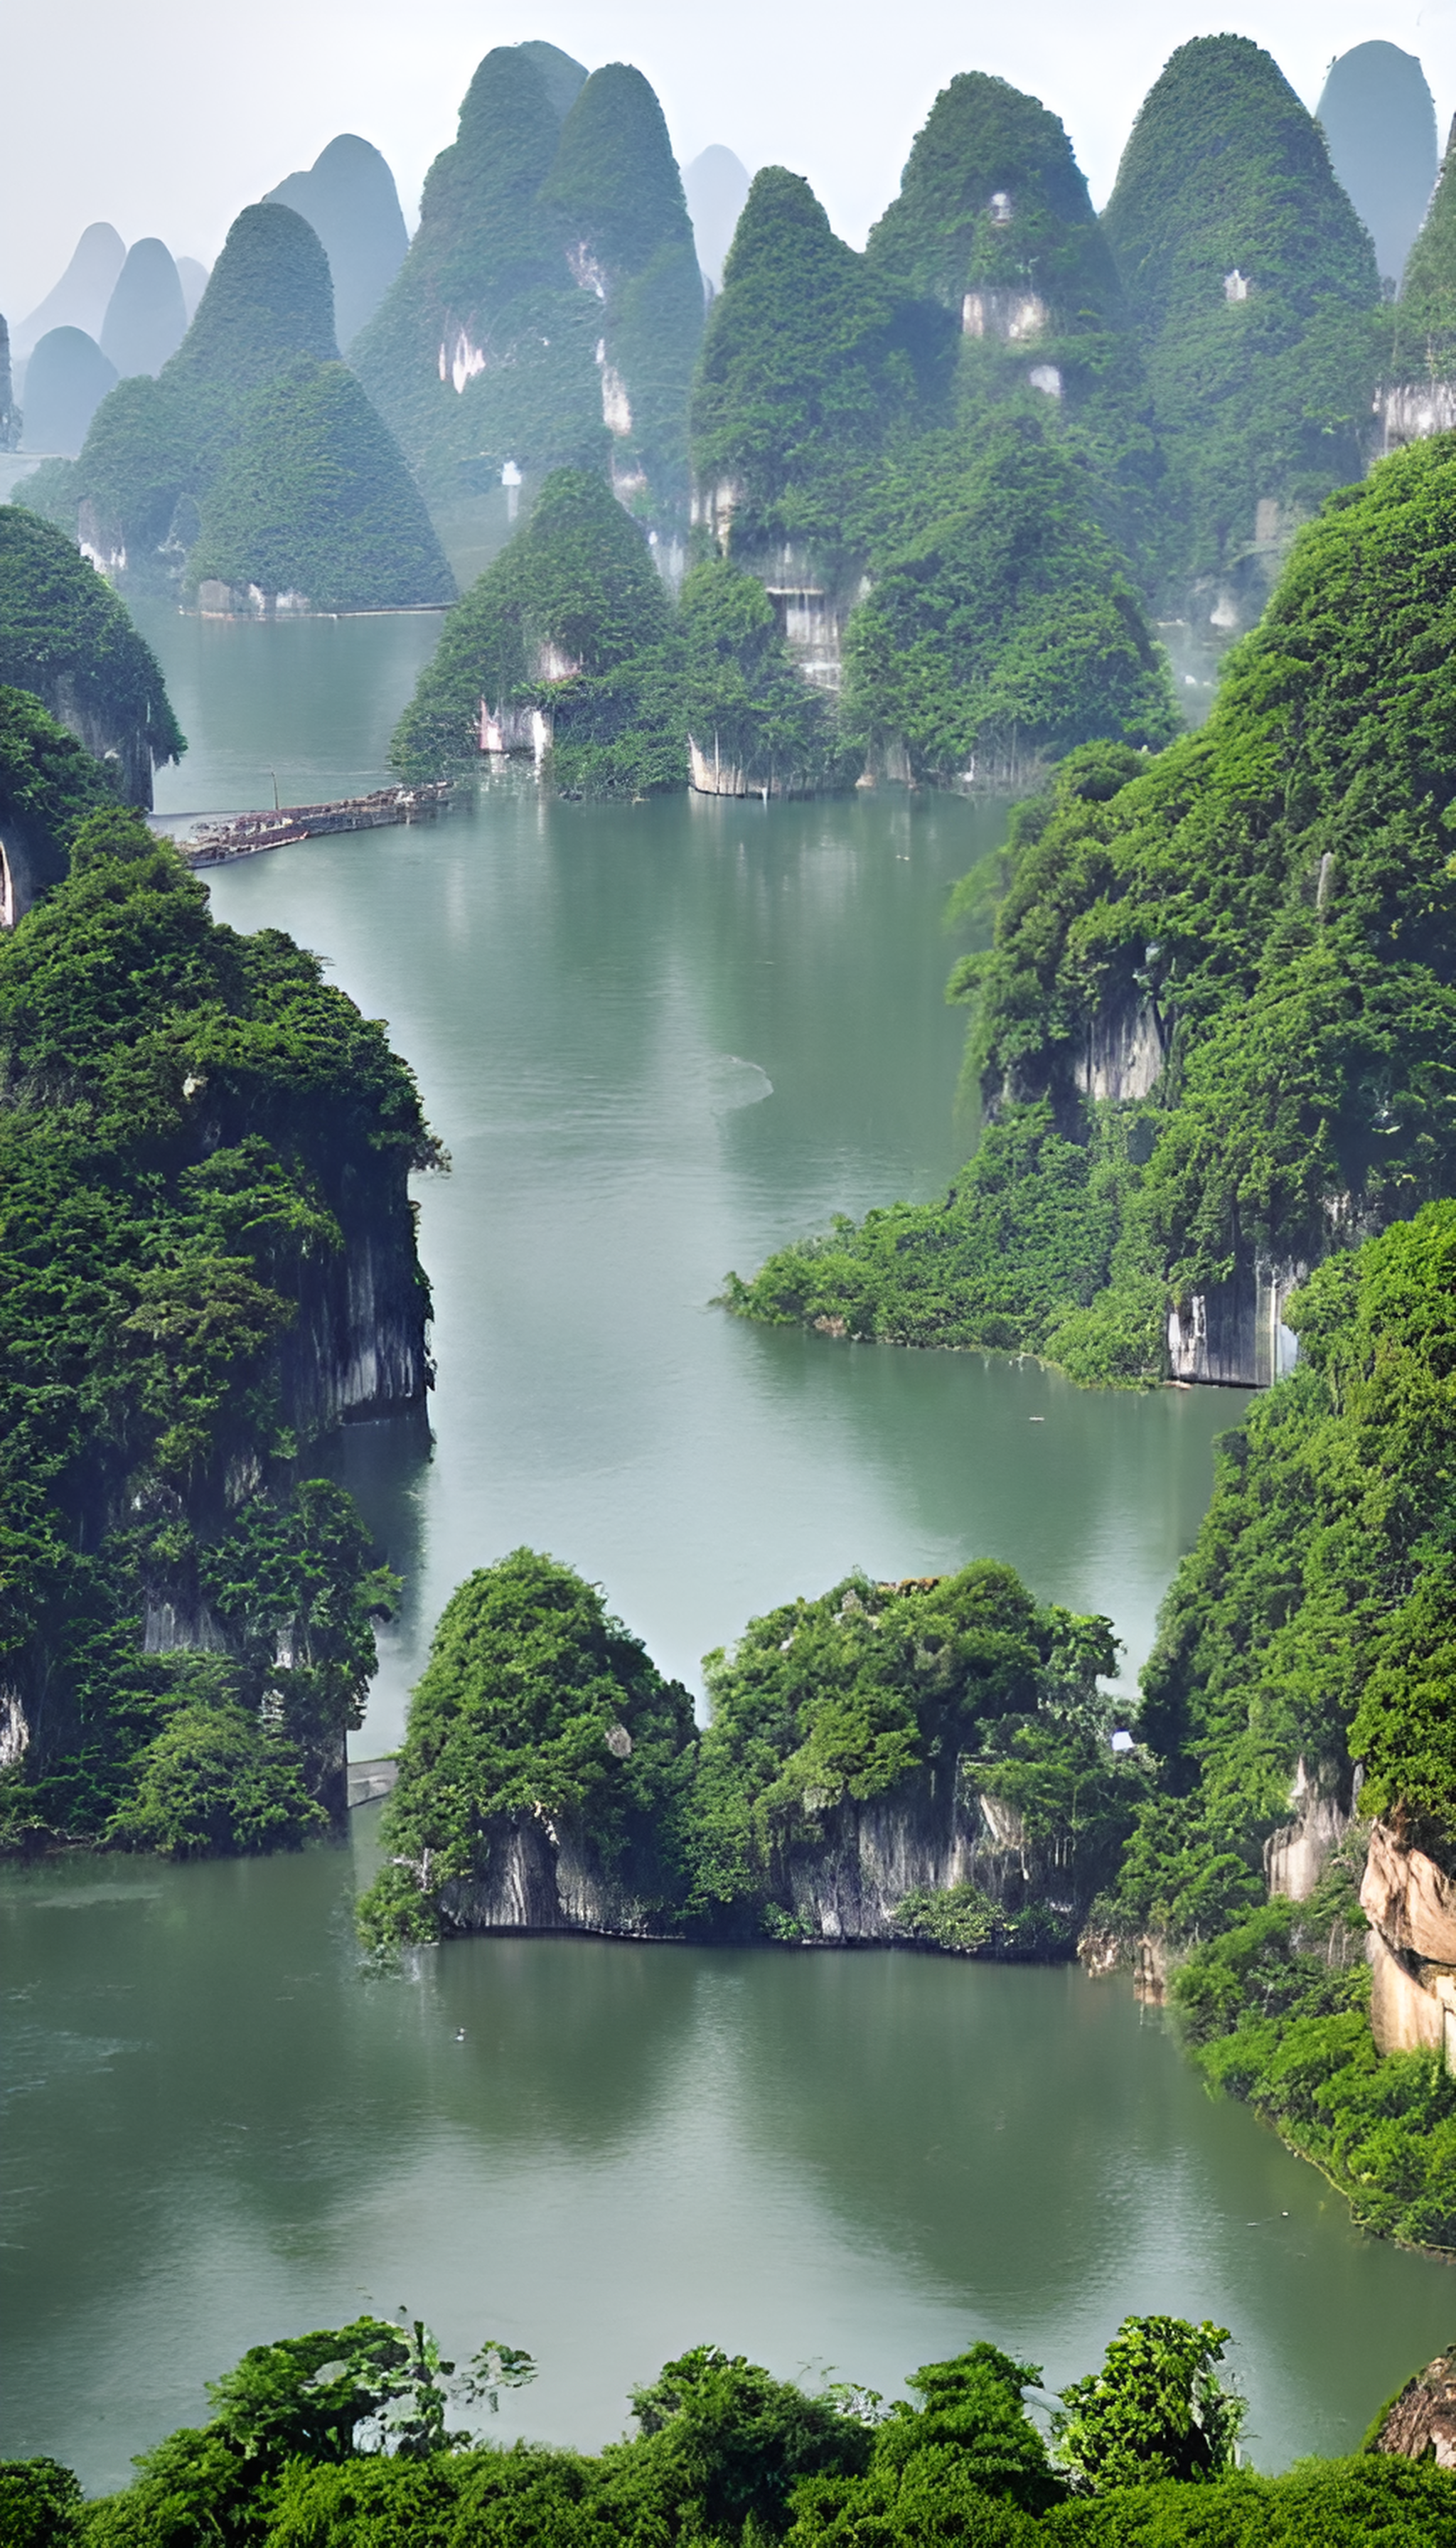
(218, 2129)
(657, 1042)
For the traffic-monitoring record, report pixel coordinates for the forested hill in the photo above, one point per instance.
(1212, 1032)
(66, 637)
(202, 1156)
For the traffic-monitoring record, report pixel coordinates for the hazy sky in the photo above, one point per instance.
(167, 115)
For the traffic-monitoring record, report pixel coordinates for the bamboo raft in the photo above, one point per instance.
(242, 835)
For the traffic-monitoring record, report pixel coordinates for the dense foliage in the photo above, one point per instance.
(195, 1131)
(1423, 346)
(1007, 631)
(339, 2439)
(65, 636)
(315, 499)
(925, 1696)
(1269, 905)
(616, 194)
(1257, 398)
(534, 1706)
(48, 785)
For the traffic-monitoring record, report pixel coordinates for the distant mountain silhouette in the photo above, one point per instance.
(1380, 122)
(146, 315)
(350, 200)
(79, 299)
(67, 379)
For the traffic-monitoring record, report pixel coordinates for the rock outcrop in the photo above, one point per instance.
(1297, 1855)
(1420, 2424)
(1233, 1334)
(1410, 1904)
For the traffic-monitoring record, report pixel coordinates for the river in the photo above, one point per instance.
(655, 1042)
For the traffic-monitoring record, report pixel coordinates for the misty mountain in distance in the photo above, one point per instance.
(192, 274)
(716, 187)
(350, 200)
(79, 299)
(1380, 122)
(67, 379)
(146, 315)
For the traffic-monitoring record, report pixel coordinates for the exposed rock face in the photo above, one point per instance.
(1124, 1053)
(1235, 1332)
(1296, 1855)
(10, 418)
(1410, 1904)
(1421, 2422)
(540, 1875)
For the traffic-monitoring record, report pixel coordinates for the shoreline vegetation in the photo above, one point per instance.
(341, 2439)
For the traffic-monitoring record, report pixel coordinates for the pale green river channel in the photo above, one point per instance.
(655, 1042)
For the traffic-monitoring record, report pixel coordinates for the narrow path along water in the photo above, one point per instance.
(657, 1041)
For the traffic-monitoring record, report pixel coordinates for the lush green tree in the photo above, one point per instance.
(727, 2443)
(1156, 2408)
(39, 2503)
(536, 1707)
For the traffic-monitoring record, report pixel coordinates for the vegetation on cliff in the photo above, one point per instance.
(1268, 907)
(903, 1694)
(254, 457)
(1253, 290)
(315, 499)
(1423, 344)
(549, 311)
(1007, 631)
(65, 636)
(341, 2436)
(535, 1707)
(198, 1135)
(809, 361)
(1310, 1625)
(993, 224)
(616, 194)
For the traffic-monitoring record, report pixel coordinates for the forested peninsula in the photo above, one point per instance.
(341, 2436)
(209, 1263)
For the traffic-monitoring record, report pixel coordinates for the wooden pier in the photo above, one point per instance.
(242, 835)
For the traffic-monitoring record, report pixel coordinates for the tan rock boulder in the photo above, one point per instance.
(1421, 2422)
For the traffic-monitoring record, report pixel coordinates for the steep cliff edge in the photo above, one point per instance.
(209, 1259)
(67, 637)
